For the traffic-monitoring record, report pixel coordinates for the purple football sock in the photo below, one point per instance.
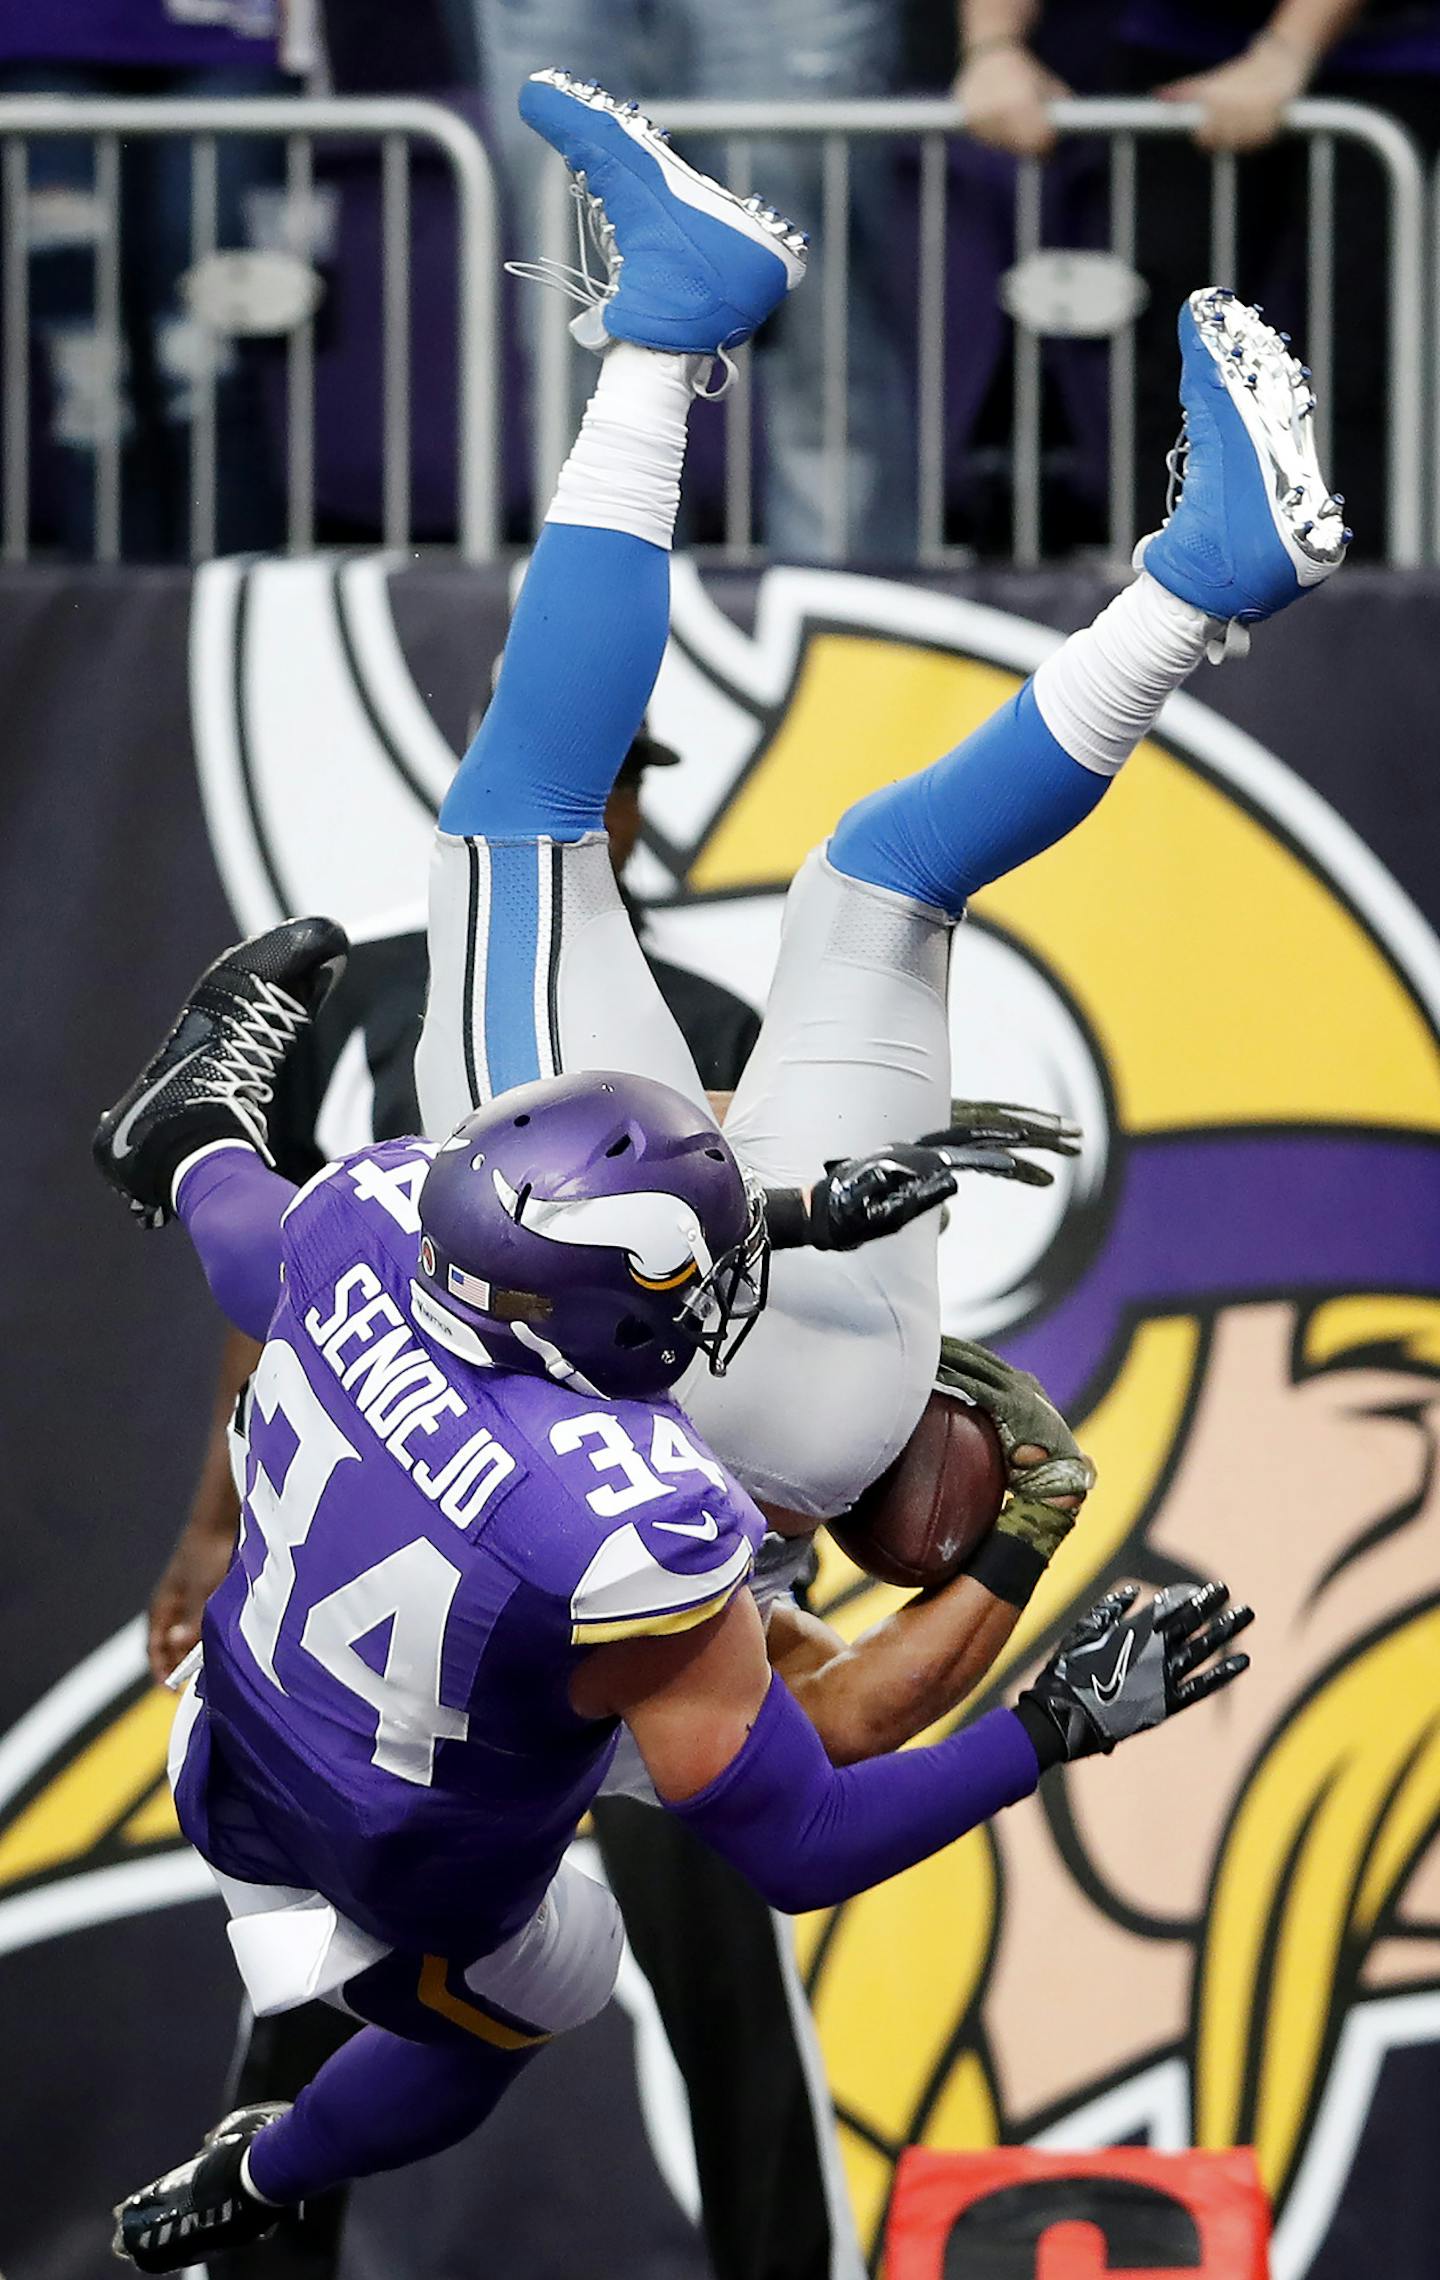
(231, 1204)
(379, 2103)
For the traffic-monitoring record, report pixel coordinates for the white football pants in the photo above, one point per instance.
(535, 971)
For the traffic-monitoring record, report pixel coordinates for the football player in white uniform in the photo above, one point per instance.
(534, 967)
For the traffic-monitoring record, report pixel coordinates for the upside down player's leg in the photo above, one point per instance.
(442, 2045)
(854, 1050)
(534, 964)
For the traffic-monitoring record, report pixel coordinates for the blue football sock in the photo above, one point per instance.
(584, 648)
(1005, 794)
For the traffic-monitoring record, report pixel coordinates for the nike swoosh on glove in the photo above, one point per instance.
(1117, 1673)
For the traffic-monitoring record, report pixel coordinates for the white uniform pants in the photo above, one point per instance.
(535, 970)
(293, 1946)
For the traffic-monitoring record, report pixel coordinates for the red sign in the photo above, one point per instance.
(1015, 2214)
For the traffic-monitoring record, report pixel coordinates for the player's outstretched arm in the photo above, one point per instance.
(205, 1545)
(862, 1198)
(731, 1752)
(868, 1696)
(878, 1692)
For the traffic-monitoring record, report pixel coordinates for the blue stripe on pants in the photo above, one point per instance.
(512, 1049)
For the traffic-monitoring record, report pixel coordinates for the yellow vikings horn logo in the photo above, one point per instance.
(1217, 1940)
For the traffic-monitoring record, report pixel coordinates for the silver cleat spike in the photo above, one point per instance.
(1268, 388)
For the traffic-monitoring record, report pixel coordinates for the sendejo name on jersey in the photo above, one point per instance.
(401, 1393)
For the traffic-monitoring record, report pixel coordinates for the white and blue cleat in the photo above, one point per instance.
(689, 267)
(1255, 525)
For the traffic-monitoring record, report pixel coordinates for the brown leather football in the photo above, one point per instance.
(924, 1517)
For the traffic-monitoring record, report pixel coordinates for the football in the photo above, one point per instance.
(922, 1519)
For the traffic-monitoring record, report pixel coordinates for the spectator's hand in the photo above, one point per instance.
(1246, 100)
(1005, 91)
(177, 1603)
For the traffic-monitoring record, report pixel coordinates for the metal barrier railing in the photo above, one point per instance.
(298, 124)
(835, 126)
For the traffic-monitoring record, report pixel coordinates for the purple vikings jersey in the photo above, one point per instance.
(428, 1550)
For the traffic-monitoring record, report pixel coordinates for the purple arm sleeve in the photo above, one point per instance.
(809, 1834)
(231, 1206)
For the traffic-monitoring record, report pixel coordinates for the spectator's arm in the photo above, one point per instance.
(1004, 87)
(1246, 99)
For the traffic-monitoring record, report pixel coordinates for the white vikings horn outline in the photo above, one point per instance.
(659, 1232)
(320, 768)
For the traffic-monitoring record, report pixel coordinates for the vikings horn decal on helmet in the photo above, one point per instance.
(596, 1228)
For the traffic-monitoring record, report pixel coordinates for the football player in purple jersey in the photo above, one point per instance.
(478, 1538)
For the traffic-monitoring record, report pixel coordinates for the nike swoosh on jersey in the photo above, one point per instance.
(707, 1528)
(1106, 1689)
(120, 1140)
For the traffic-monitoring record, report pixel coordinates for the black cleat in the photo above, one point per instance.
(202, 2207)
(213, 1077)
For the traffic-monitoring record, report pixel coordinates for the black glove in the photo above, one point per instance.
(1115, 1674)
(864, 1197)
(869, 1196)
(1003, 1124)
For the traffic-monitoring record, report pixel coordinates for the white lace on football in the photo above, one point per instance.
(242, 1072)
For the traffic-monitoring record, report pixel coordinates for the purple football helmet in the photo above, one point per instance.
(592, 1228)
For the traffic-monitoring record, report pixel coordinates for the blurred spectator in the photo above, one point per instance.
(1244, 62)
(374, 48)
(162, 48)
(742, 51)
(1011, 87)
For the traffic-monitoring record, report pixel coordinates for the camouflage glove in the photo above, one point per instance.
(1042, 1459)
(1115, 1674)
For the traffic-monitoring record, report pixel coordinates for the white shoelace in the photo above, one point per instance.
(1224, 637)
(243, 1073)
(595, 235)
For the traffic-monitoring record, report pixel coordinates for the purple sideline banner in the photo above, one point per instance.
(1231, 973)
